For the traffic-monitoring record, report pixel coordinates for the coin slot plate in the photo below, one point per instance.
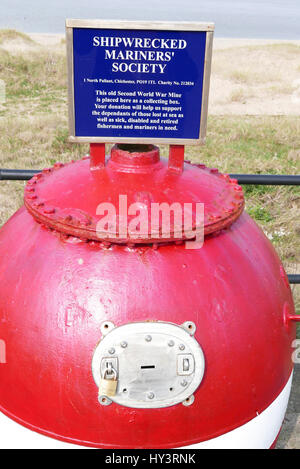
(153, 367)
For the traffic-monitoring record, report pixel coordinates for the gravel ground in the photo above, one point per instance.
(290, 434)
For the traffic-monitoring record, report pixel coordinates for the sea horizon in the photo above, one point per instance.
(244, 19)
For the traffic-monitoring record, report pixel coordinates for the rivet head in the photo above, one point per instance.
(150, 395)
(49, 210)
(111, 351)
(189, 401)
(124, 344)
(103, 400)
(184, 383)
(171, 343)
(181, 347)
(148, 338)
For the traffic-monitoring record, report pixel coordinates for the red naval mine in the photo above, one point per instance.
(135, 341)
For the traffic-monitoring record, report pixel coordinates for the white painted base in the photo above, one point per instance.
(259, 433)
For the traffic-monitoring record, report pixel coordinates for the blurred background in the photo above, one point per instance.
(234, 18)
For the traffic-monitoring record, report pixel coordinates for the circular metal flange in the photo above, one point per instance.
(53, 199)
(161, 365)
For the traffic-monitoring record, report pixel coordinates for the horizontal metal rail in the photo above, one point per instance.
(265, 179)
(17, 174)
(268, 179)
(294, 278)
(257, 179)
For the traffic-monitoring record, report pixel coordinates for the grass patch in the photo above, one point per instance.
(281, 89)
(11, 34)
(238, 96)
(260, 214)
(60, 143)
(284, 48)
(240, 76)
(33, 75)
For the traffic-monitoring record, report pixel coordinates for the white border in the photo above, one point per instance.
(14, 435)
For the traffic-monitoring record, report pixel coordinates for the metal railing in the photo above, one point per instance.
(261, 179)
(257, 179)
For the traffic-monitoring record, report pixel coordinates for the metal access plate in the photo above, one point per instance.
(159, 364)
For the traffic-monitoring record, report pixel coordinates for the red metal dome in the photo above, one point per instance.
(66, 197)
(211, 324)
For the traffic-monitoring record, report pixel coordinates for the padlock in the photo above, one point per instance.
(108, 384)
